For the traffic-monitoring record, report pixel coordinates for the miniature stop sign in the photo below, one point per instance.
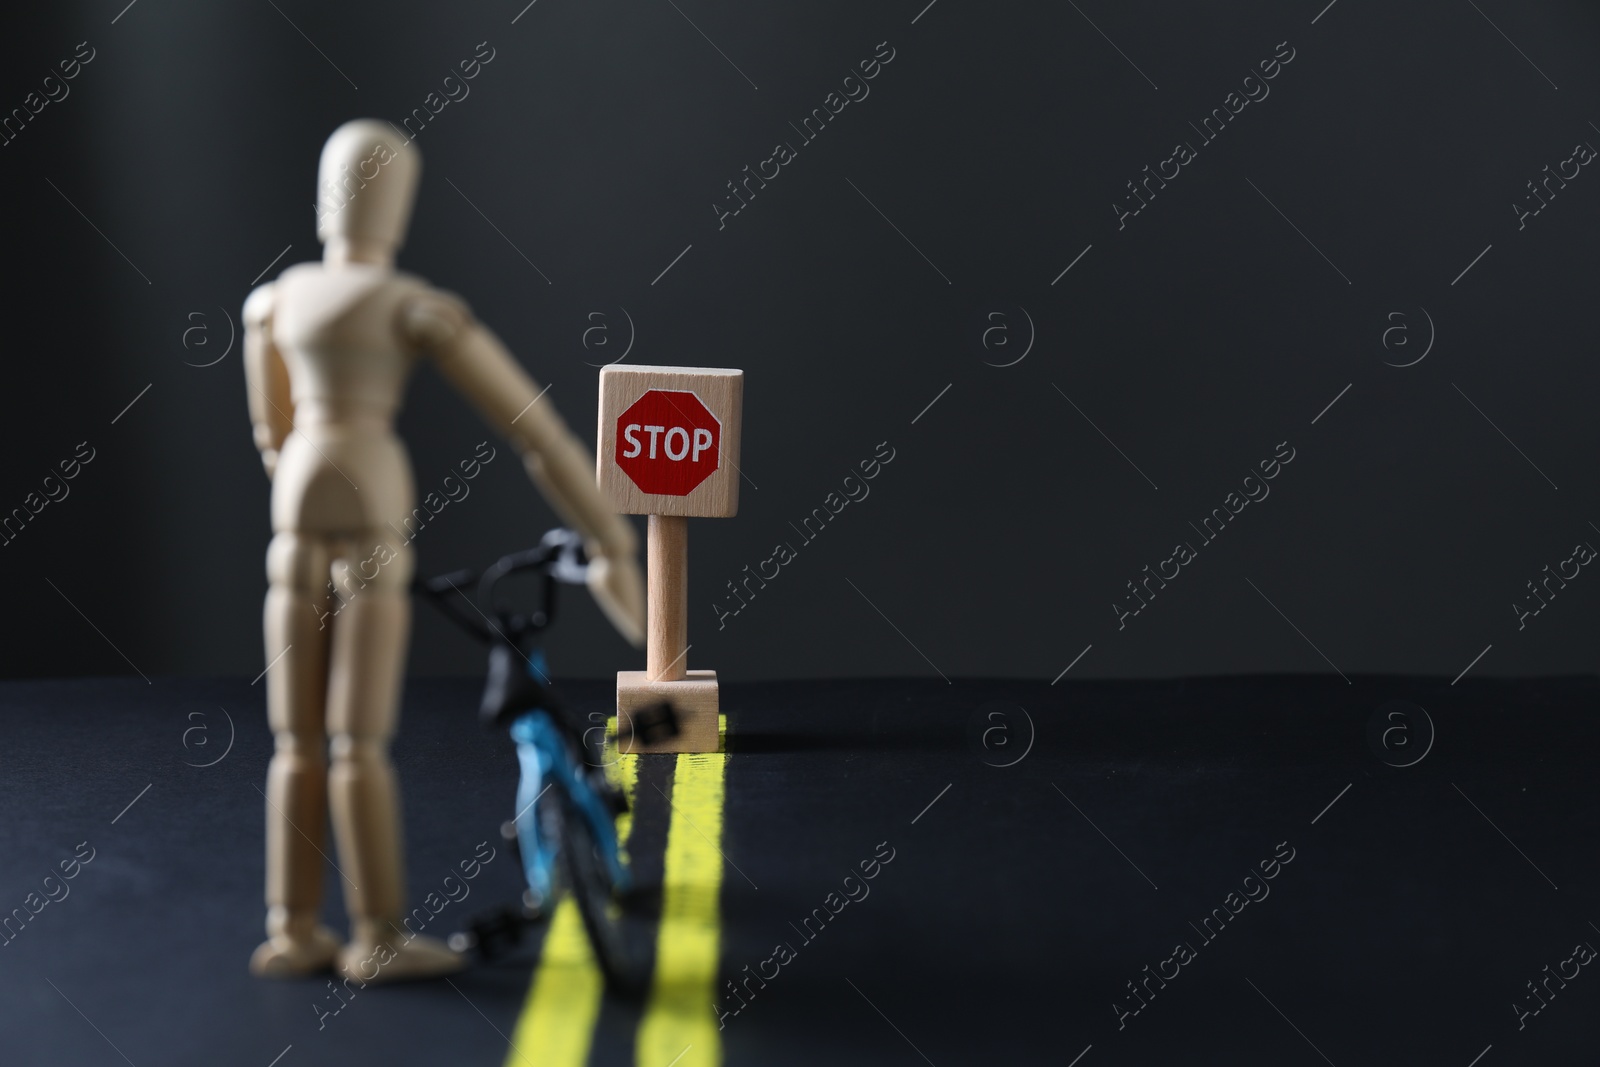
(668, 440)
(669, 448)
(667, 443)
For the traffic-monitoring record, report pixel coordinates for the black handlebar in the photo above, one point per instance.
(510, 689)
(559, 557)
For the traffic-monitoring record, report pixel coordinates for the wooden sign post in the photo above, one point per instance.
(668, 448)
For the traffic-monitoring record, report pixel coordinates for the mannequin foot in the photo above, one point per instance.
(287, 956)
(369, 959)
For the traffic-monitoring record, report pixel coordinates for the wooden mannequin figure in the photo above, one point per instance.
(328, 348)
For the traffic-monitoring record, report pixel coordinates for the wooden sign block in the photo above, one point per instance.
(669, 448)
(668, 441)
(695, 698)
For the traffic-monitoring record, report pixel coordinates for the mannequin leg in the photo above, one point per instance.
(297, 799)
(364, 680)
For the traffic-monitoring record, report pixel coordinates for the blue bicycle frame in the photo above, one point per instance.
(545, 752)
(575, 827)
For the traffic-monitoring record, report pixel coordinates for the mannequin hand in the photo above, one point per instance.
(618, 587)
(269, 460)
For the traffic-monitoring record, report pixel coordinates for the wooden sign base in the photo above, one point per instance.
(693, 694)
(694, 698)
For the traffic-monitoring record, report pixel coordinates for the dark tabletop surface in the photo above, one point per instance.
(1050, 843)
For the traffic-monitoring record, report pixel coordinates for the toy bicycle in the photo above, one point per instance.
(566, 806)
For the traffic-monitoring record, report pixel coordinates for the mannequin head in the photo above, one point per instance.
(366, 184)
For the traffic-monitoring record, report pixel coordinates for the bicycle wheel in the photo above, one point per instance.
(622, 960)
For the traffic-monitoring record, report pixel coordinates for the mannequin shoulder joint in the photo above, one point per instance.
(434, 319)
(259, 304)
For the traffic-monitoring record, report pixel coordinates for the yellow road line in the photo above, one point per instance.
(556, 1026)
(557, 1021)
(679, 1026)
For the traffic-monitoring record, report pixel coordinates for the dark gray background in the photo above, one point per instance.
(1196, 339)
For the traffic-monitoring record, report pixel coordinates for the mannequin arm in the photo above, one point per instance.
(271, 407)
(478, 365)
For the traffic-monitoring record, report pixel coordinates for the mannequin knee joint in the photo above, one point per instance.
(353, 748)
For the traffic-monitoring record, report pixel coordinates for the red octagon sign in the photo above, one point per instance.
(667, 442)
